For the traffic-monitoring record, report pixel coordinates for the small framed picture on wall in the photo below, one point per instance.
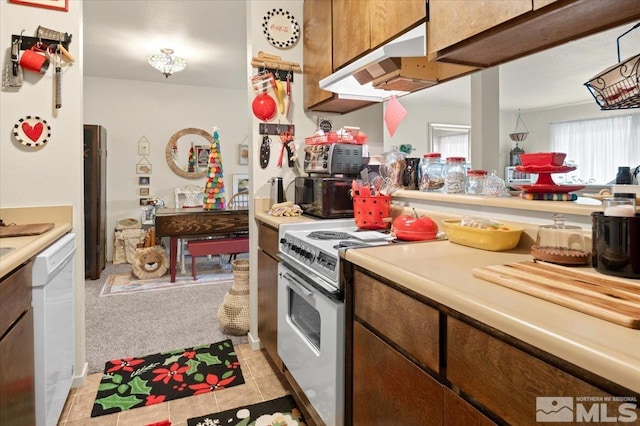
(144, 180)
(144, 147)
(144, 192)
(243, 154)
(62, 5)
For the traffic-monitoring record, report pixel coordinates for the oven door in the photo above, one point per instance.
(311, 342)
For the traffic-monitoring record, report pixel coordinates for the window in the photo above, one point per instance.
(597, 147)
(450, 140)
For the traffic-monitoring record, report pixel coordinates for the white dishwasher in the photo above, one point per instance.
(53, 300)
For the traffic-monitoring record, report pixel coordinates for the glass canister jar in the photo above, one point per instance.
(393, 165)
(494, 185)
(454, 175)
(431, 172)
(475, 182)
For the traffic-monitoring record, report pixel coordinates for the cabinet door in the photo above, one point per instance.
(351, 26)
(452, 21)
(458, 412)
(17, 393)
(390, 18)
(316, 53)
(388, 389)
(268, 291)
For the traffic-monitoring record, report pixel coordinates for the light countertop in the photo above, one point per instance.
(441, 271)
(24, 248)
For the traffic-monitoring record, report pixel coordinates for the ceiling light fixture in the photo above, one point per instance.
(166, 62)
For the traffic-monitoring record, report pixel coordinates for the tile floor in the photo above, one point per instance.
(262, 382)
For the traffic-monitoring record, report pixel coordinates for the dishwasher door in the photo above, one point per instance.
(53, 311)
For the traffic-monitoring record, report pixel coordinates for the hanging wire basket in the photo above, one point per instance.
(618, 87)
(519, 135)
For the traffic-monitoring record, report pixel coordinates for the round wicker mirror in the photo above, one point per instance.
(188, 152)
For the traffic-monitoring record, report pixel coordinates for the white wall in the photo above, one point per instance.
(51, 174)
(368, 119)
(131, 109)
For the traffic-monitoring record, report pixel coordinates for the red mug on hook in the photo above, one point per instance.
(34, 60)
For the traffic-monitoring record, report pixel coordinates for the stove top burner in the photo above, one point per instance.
(350, 244)
(328, 235)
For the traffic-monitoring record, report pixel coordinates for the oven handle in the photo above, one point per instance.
(299, 285)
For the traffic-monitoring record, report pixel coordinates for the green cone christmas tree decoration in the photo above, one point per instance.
(214, 188)
(191, 164)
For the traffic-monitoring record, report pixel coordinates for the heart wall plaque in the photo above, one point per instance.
(32, 131)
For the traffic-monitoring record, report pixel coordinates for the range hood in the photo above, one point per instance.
(397, 68)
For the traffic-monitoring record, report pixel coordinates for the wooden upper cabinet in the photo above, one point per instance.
(390, 18)
(452, 21)
(350, 30)
(488, 33)
(316, 54)
(318, 60)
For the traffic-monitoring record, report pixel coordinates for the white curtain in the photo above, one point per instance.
(599, 146)
(452, 145)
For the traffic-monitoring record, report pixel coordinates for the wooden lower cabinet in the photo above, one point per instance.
(458, 412)
(388, 389)
(268, 291)
(505, 379)
(415, 362)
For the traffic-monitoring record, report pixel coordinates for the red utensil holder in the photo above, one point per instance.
(371, 212)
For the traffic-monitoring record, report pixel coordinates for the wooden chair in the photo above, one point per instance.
(239, 200)
(187, 196)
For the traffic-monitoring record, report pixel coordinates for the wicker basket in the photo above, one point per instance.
(233, 314)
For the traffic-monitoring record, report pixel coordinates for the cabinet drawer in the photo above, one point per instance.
(409, 323)
(268, 239)
(505, 379)
(15, 296)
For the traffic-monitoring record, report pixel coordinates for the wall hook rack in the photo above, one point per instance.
(279, 73)
(274, 129)
(267, 60)
(27, 42)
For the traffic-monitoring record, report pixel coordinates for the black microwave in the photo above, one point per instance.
(324, 197)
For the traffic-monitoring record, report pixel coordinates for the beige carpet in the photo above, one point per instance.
(126, 283)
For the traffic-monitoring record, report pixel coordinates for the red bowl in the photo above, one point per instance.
(543, 158)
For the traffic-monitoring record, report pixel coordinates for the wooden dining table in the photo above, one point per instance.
(198, 222)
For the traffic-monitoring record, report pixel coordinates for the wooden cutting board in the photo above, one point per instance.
(25, 230)
(607, 298)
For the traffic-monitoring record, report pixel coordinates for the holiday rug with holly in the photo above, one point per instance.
(129, 383)
(280, 411)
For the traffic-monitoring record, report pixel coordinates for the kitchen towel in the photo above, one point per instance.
(394, 115)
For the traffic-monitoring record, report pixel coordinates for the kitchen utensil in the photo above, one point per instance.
(263, 107)
(285, 138)
(55, 56)
(49, 34)
(286, 114)
(15, 76)
(277, 190)
(560, 243)
(616, 245)
(34, 60)
(265, 152)
(280, 94)
(485, 239)
(578, 289)
(25, 230)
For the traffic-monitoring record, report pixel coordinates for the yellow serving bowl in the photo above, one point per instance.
(485, 239)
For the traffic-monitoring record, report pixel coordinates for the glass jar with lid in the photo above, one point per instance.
(454, 175)
(431, 172)
(475, 182)
(393, 165)
(494, 185)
